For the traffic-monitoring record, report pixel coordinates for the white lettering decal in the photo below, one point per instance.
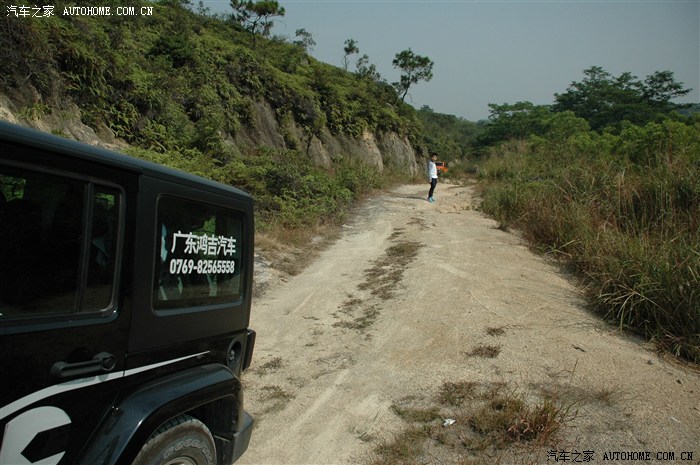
(206, 245)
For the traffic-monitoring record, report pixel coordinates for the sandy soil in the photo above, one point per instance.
(391, 311)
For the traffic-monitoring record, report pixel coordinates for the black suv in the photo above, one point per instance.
(124, 307)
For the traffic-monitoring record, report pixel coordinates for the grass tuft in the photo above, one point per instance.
(485, 351)
(270, 366)
(496, 330)
(492, 421)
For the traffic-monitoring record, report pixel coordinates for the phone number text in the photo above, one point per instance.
(189, 266)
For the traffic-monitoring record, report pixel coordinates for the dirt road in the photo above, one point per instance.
(414, 295)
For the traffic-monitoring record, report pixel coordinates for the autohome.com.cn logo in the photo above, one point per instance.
(21, 11)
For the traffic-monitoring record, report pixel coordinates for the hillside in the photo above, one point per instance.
(204, 95)
(177, 79)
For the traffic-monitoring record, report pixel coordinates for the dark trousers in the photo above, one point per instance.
(433, 183)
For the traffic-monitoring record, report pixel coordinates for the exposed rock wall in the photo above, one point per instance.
(64, 121)
(383, 150)
(378, 150)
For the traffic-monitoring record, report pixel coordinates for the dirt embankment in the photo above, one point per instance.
(414, 297)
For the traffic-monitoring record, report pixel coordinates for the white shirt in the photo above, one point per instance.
(432, 170)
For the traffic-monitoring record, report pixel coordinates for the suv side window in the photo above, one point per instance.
(58, 238)
(198, 258)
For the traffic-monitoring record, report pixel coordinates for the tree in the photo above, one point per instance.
(202, 9)
(660, 88)
(515, 121)
(606, 101)
(365, 69)
(256, 16)
(414, 68)
(349, 49)
(524, 119)
(305, 40)
(449, 136)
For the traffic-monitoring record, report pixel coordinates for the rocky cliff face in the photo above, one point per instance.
(382, 150)
(64, 121)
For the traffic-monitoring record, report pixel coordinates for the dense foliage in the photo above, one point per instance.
(621, 205)
(181, 80)
(450, 137)
(605, 101)
(178, 86)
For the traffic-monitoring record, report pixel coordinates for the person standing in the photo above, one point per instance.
(432, 176)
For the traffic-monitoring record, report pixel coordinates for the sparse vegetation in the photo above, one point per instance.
(491, 420)
(456, 393)
(387, 271)
(362, 322)
(622, 211)
(270, 366)
(275, 398)
(416, 414)
(485, 351)
(496, 330)
(381, 280)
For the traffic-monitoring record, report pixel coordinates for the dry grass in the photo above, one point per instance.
(290, 250)
(416, 414)
(275, 398)
(387, 271)
(493, 424)
(402, 449)
(455, 394)
(625, 217)
(381, 281)
(496, 330)
(485, 351)
(270, 366)
(361, 323)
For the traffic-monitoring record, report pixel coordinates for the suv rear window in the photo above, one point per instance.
(58, 238)
(198, 258)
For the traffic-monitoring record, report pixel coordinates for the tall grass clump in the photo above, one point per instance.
(624, 211)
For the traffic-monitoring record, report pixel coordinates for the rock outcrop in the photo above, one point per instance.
(379, 150)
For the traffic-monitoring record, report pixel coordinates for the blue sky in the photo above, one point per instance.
(503, 51)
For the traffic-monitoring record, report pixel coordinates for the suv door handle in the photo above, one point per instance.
(100, 363)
